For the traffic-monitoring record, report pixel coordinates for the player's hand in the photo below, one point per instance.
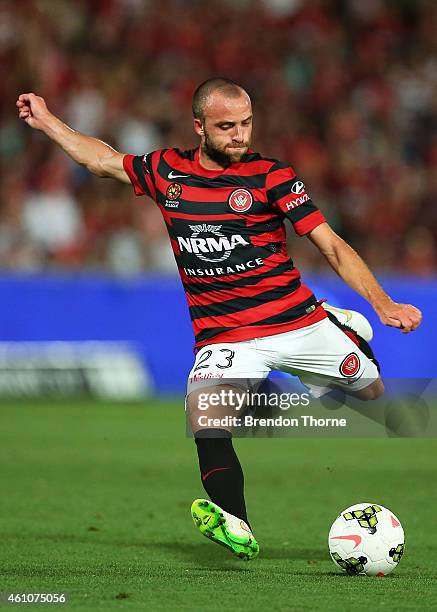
(404, 316)
(33, 110)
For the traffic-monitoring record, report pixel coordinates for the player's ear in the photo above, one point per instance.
(198, 127)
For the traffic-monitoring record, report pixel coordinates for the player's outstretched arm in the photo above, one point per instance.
(97, 156)
(352, 269)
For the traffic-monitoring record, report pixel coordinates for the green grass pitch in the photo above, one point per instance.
(95, 502)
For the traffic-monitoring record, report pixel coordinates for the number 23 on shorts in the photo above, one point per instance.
(222, 361)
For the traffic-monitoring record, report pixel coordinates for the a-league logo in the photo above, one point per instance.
(240, 200)
(174, 190)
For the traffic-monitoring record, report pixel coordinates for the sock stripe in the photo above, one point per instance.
(219, 469)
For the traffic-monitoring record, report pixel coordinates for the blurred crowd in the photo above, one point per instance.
(346, 91)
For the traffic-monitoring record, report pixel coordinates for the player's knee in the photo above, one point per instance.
(206, 398)
(373, 391)
(213, 407)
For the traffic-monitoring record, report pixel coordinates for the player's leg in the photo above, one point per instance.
(220, 470)
(371, 392)
(223, 518)
(324, 357)
(358, 329)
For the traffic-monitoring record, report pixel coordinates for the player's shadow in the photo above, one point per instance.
(306, 554)
(199, 552)
(202, 553)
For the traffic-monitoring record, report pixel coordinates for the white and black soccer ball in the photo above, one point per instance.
(366, 539)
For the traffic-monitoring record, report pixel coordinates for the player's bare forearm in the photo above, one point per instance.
(353, 270)
(97, 156)
(100, 158)
(349, 265)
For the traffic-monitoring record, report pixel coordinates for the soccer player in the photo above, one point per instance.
(224, 206)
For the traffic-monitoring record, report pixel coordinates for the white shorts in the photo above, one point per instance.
(320, 355)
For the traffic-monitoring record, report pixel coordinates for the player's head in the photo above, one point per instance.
(222, 113)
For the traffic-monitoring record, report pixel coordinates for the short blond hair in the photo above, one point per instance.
(200, 97)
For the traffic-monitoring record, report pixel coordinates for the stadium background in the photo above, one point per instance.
(343, 89)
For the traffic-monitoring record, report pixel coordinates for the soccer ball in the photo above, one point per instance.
(366, 539)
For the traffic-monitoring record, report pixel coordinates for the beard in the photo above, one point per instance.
(224, 156)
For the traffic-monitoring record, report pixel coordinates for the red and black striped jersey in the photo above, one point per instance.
(227, 232)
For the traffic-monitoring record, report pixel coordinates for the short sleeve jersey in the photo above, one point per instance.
(227, 232)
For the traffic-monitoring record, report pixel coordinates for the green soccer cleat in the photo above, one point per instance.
(224, 528)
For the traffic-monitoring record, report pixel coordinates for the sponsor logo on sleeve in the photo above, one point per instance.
(295, 202)
(298, 197)
(298, 187)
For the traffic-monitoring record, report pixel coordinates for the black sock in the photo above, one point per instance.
(220, 470)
